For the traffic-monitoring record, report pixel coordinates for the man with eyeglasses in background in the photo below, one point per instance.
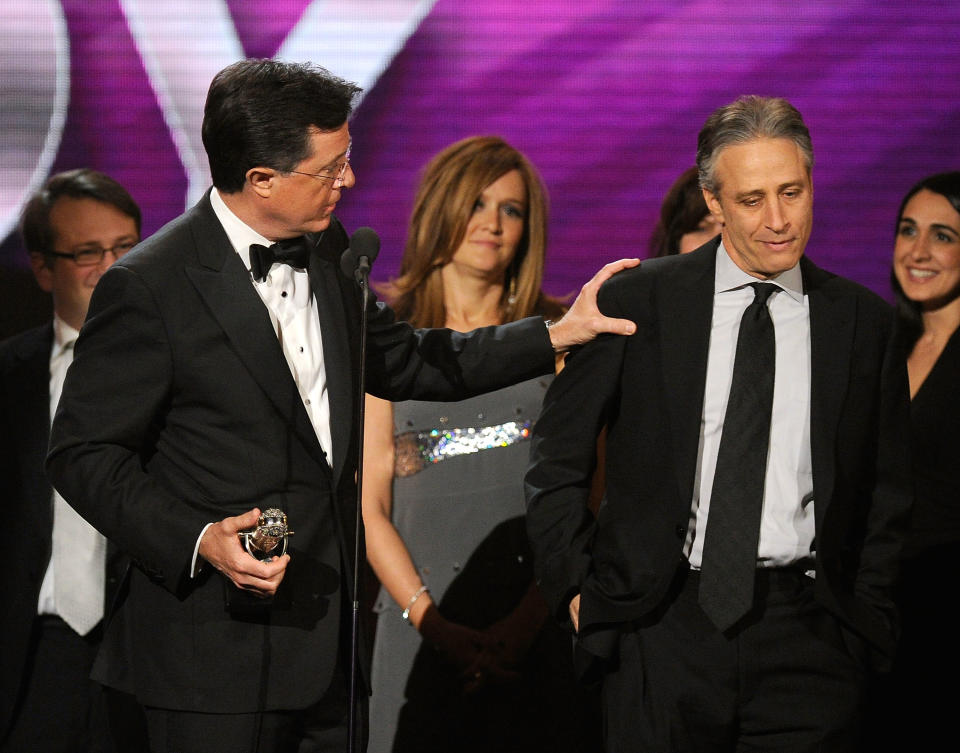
(230, 341)
(61, 572)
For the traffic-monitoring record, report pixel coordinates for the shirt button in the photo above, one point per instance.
(307, 401)
(681, 531)
(283, 294)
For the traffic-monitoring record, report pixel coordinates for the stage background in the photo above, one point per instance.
(606, 101)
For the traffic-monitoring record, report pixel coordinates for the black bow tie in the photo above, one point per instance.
(292, 251)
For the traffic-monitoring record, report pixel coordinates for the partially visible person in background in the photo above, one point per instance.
(912, 711)
(465, 657)
(685, 222)
(61, 572)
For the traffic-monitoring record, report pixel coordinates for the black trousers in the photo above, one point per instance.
(60, 709)
(787, 678)
(321, 728)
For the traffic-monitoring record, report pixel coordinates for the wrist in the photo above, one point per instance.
(555, 333)
(412, 613)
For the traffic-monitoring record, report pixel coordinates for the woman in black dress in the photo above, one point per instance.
(917, 705)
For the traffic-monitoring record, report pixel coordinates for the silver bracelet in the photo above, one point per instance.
(413, 600)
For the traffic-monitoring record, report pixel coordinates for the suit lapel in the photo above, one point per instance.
(325, 282)
(224, 284)
(684, 299)
(832, 328)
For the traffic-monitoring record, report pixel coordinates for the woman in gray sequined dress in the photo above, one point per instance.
(465, 657)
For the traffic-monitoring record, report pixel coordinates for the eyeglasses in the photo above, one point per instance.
(88, 257)
(336, 174)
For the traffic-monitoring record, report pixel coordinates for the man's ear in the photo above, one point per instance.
(261, 180)
(42, 272)
(713, 205)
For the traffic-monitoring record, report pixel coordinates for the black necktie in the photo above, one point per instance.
(733, 521)
(292, 251)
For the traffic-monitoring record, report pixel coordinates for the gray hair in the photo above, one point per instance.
(748, 118)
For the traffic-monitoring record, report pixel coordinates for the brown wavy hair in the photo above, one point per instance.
(451, 184)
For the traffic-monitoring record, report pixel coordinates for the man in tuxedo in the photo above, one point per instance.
(63, 571)
(734, 587)
(230, 342)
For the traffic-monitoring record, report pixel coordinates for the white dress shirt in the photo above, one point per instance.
(787, 525)
(75, 578)
(293, 311)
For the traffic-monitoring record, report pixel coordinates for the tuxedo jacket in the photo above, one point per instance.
(27, 498)
(648, 389)
(180, 409)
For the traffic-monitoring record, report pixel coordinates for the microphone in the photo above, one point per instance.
(362, 252)
(355, 263)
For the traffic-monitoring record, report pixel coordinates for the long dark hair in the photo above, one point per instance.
(946, 185)
(681, 212)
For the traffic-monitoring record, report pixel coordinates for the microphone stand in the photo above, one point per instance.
(362, 276)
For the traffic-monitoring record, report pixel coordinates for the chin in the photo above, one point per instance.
(319, 225)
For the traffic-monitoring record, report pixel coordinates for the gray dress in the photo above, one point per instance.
(458, 506)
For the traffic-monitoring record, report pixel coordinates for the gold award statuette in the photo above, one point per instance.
(269, 538)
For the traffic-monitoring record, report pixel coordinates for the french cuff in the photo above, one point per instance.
(196, 564)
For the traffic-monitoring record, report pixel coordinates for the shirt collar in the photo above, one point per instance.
(240, 234)
(729, 276)
(63, 335)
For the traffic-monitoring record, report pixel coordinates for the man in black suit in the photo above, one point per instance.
(735, 585)
(62, 572)
(232, 390)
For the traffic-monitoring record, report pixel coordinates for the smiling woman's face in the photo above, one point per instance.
(926, 256)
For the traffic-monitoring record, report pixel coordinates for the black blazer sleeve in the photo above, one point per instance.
(563, 455)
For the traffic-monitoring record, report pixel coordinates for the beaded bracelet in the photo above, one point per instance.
(413, 600)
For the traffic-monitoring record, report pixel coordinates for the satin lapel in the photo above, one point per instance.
(832, 329)
(325, 281)
(684, 302)
(224, 284)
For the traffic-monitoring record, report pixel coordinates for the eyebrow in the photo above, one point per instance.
(935, 225)
(761, 192)
(96, 244)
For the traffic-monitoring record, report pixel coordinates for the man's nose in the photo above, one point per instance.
(776, 219)
(109, 257)
(349, 179)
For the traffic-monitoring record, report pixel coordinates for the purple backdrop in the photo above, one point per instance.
(607, 103)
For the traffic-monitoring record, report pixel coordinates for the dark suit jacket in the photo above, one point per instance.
(649, 390)
(26, 496)
(180, 409)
